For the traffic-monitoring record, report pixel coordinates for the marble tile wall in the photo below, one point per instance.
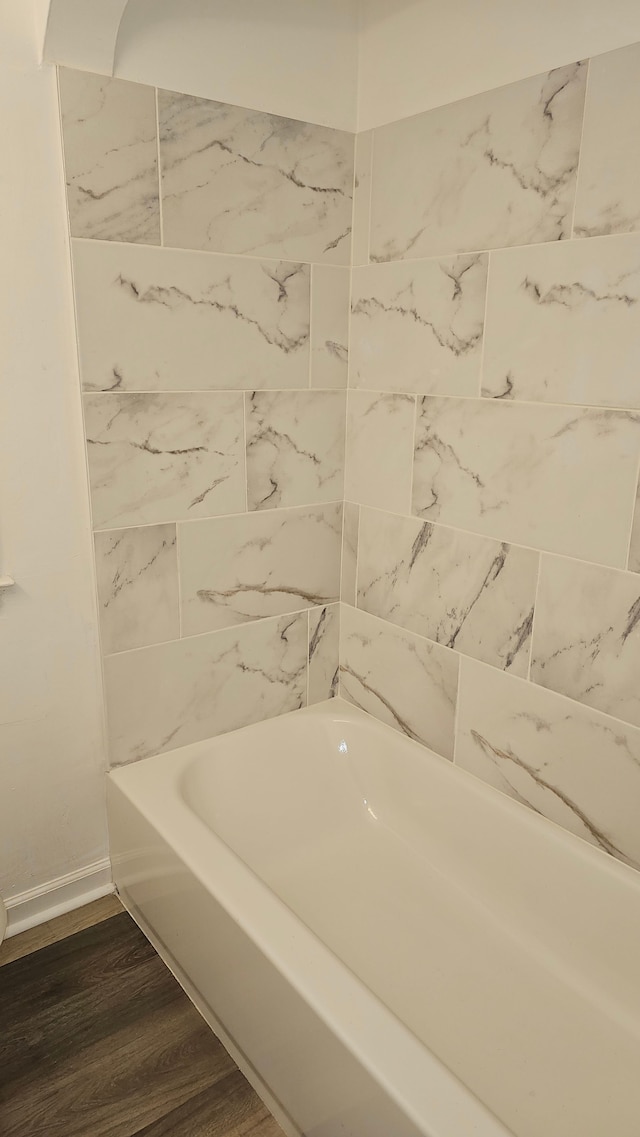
(211, 250)
(491, 532)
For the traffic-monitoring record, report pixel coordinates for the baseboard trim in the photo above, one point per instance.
(56, 897)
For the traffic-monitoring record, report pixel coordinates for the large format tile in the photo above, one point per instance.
(241, 181)
(563, 323)
(572, 765)
(235, 569)
(634, 547)
(329, 326)
(468, 592)
(362, 198)
(587, 636)
(493, 170)
(608, 197)
(417, 325)
(137, 576)
(165, 319)
(380, 450)
(324, 653)
(295, 447)
(164, 457)
(350, 523)
(556, 478)
(162, 697)
(400, 678)
(110, 155)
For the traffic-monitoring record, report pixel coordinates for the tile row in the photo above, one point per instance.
(557, 478)
(230, 180)
(532, 161)
(572, 764)
(165, 457)
(152, 319)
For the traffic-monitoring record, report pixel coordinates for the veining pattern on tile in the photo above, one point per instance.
(556, 478)
(295, 447)
(350, 523)
(469, 593)
(362, 198)
(236, 569)
(493, 170)
(563, 323)
(575, 766)
(380, 450)
(329, 326)
(400, 678)
(608, 198)
(242, 181)
(137, 577)
(110, 152)
(168, 319)
(634, 548)
(166, 696)
(164, 457)
(587, 636)
(324, 652)
(417, 325)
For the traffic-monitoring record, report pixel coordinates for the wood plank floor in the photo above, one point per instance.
(97, 1039)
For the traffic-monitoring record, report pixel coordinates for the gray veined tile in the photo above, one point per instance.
(324, 652)
(164, 457)
(110, 152)
(400, 678)
(380, 450)
(169, 319)
(573, 765)
(634, 548)
(137, 575)
(552, 477)
(295, 447)
(362, 197)
(563, 323)
(166, 696)
(466, 592)
(587, 636)
(329, 326)
(242, 181)
(237, 569)
(350, 523)
(492, 170)
(608, 197)
(417, 325)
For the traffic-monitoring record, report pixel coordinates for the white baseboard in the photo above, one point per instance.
(73, 890)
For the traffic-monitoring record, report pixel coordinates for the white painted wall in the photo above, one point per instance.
(52, 817)
(291, 57)
(417, 54)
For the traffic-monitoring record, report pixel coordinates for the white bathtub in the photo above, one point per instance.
(386, 945)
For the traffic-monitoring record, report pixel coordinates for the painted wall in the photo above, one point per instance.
(417, 54)
(492, 587)
(52, 819)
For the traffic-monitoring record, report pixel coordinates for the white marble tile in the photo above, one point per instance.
(295, 447)
(137, 577)
(634, 548)
(469, 593)
(329, 326)
(563, 323)
(572, 765)
(556, 478)
(380, 450)
(324, 653)
(164, 457)
(162, 697)
(587, 636)
(110, 155)
(168, 319)
(417, 325)
(608, 197)
(493, 170)
(400, 678)
(242, 181)
(350, 523)
(236, 569)
(362, 198)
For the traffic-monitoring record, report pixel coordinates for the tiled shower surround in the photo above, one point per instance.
(480, 531)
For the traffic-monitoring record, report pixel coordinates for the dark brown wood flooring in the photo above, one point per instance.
(97, 1039)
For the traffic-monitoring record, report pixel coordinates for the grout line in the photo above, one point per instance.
(246, 458)
(254, 622)
(306, 703)
(179, 581)
(533, 621)
(484, 329)
(222, 516)
(413, 451)
(635, 506)
(456, 713)
(572, 227)
(357, 568)
(370, 203)
(159, 171)
(484, 400)
(180, 391)
(312, 289)
(107, 242)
